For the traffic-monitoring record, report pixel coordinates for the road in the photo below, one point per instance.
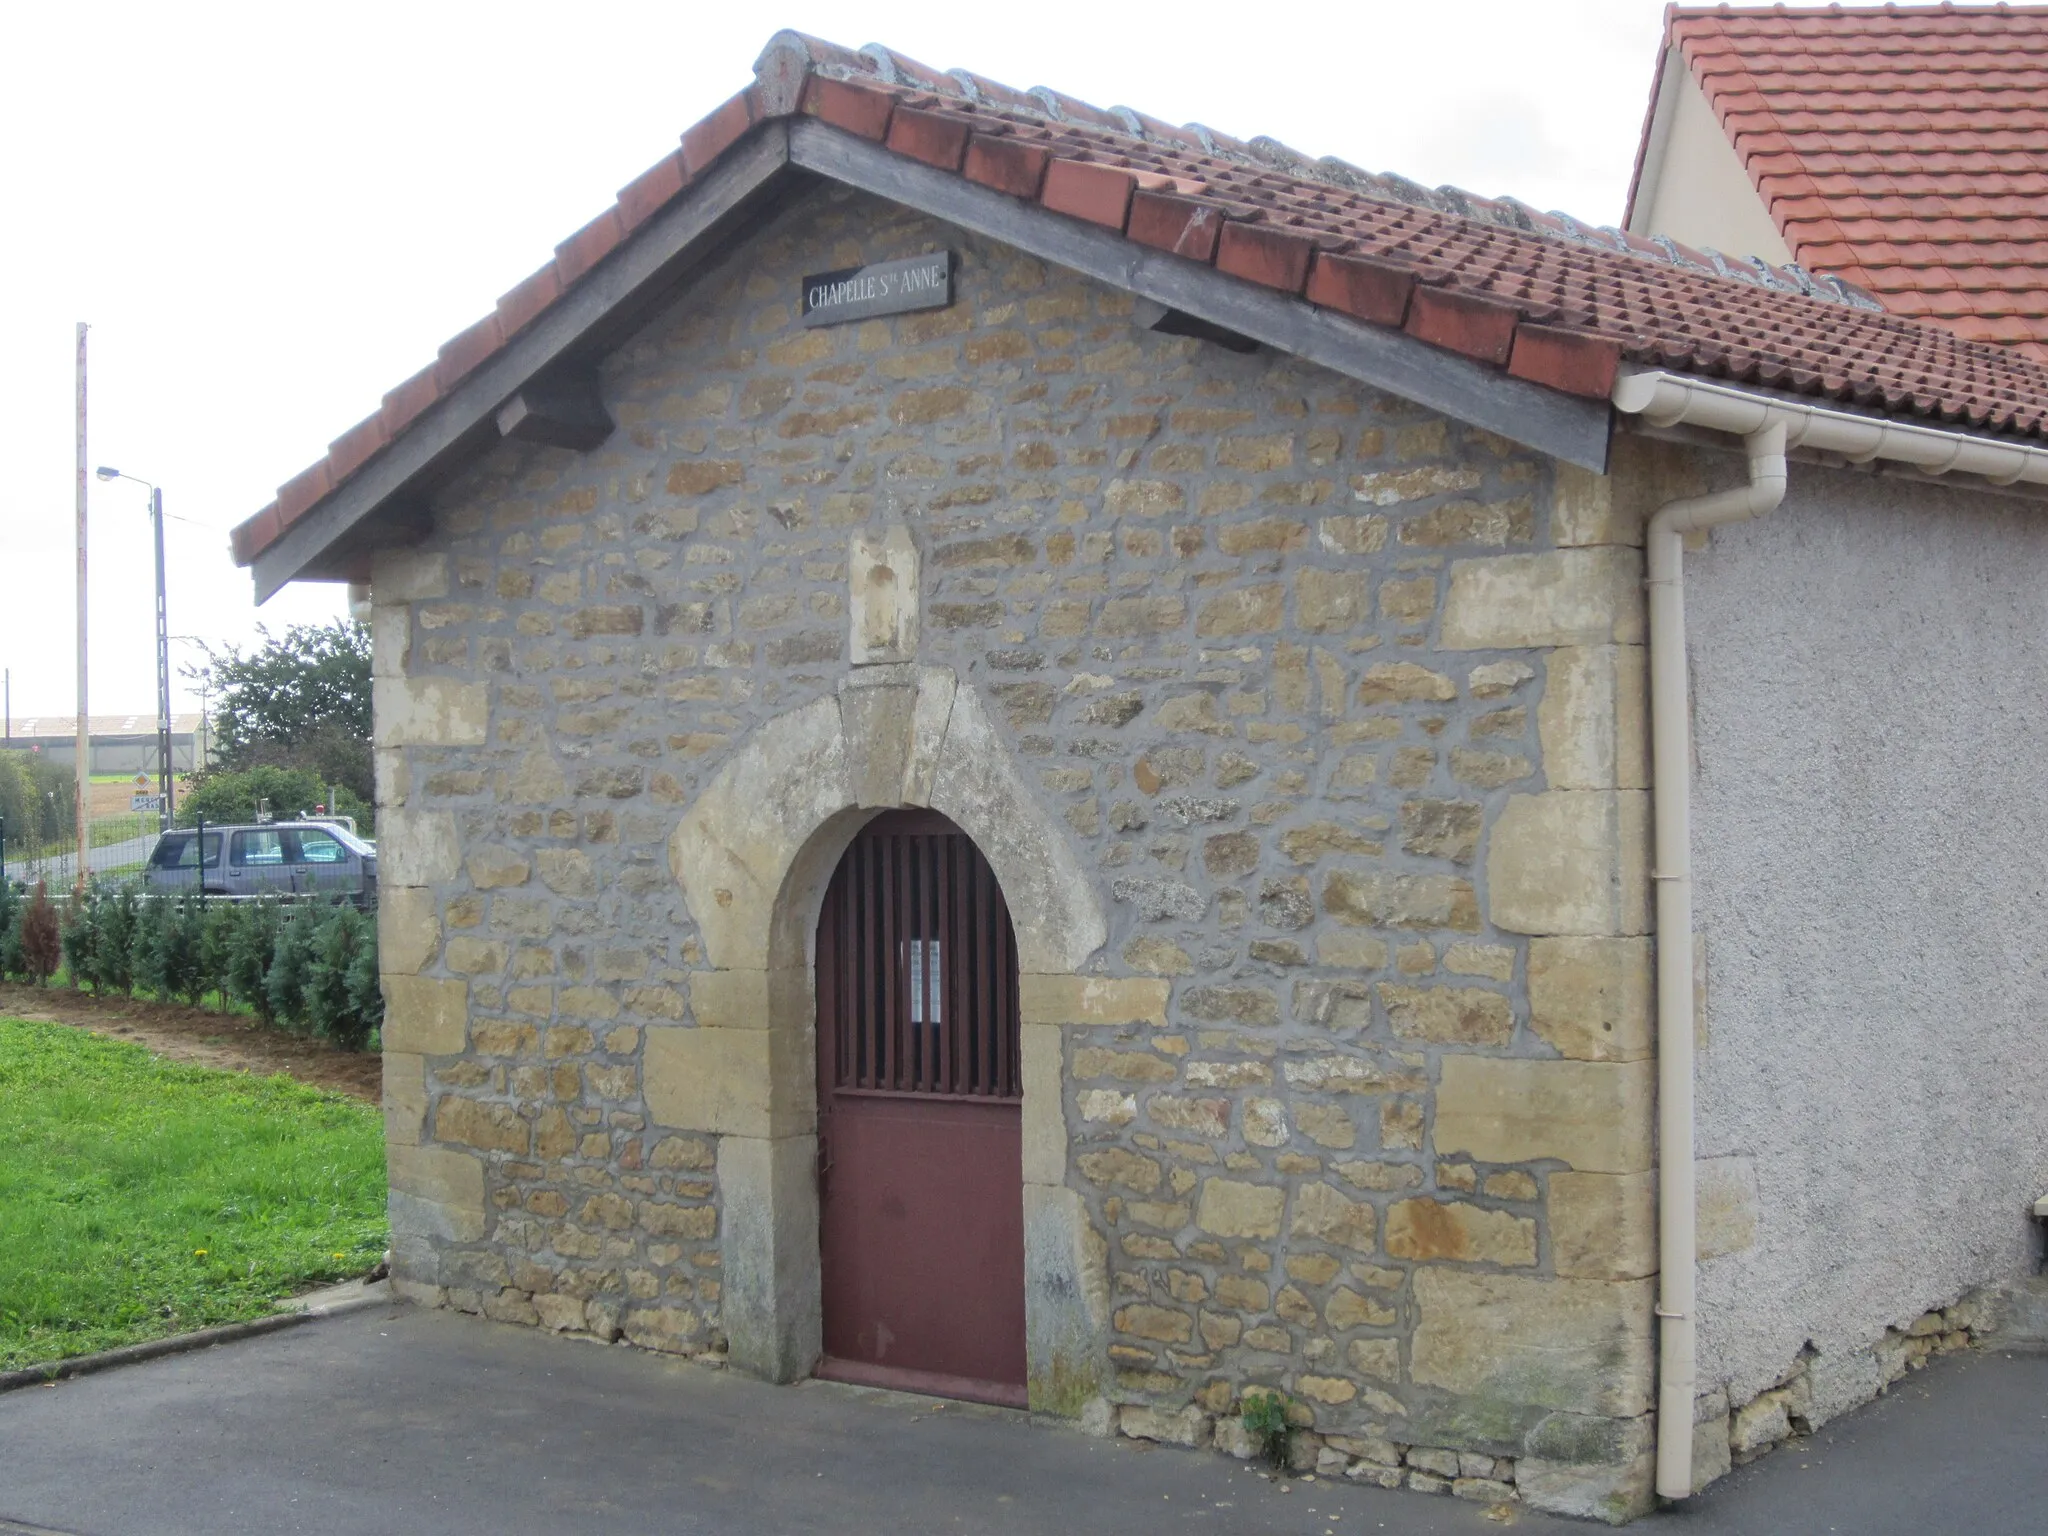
(58, 870)
(395, 1419)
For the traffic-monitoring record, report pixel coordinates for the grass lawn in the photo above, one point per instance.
(140, 1198)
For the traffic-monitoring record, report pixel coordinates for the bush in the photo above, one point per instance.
(303, 965)
(221, 796)
(42, 946)
(339, 943)
(291, 958)
(81, 939)
(170, 959)
(365, 985)
(250, 946)
(114, 958)
(11, 963)
(220, 923)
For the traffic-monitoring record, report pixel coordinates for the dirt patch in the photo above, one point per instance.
(230, 1042)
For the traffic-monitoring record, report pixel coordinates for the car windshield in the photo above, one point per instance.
(346, 838)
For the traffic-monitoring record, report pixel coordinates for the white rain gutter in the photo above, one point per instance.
(1768, 427)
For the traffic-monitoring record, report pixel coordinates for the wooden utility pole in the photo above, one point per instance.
(84, 774)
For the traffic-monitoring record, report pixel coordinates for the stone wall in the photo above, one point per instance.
(1337, 704)
(1867, 833)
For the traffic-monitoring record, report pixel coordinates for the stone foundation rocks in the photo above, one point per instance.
(1814, 1390)
(1361, 1458)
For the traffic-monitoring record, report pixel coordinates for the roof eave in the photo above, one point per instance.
(394, 484)
(648, 265)
(1564, 426)
(1655, 138)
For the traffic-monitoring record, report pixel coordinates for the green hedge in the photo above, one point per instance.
(303, 965)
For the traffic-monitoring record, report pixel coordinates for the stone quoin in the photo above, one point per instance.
(1267, 607)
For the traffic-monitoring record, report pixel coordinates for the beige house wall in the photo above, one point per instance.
(1694, 188)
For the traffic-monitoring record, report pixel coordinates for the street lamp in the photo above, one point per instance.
(163, 651)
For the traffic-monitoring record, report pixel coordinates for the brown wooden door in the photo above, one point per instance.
(920, 1135)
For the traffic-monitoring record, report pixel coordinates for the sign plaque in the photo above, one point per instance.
(886, 288)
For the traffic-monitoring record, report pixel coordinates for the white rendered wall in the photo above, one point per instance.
(1694, 188)
(1871, 849)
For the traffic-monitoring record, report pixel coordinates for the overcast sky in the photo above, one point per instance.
(271, 214)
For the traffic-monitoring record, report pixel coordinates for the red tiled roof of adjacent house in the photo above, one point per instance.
(1904, 148)
(1539, 296)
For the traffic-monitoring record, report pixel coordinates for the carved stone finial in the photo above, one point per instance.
(882, 596)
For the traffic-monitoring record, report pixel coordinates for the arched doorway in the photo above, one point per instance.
(920, 1156)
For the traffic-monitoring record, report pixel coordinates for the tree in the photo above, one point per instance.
(37, 797)
(302, 702)
(232, 796)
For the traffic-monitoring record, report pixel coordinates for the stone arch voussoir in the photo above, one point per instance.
(753, 855)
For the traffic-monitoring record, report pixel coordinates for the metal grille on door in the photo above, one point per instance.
(916, 975)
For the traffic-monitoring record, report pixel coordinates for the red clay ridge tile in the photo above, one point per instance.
(403, 405)
(999, 94)
(1463, 322)
(348, 452)
(301, 491)
(588, 246)
(1177, 224)
(717, 133)
(1265, 254)
(936, 138)
(861, 109)
(1101, 194)
(1167, 133)
(524, 303)
(1375, 291)
(646, 194)
(1571, 361)
(250, 537)
(461, 353)
(904, 70)
(1901, 188)
(1072, 109)
(1007, 165)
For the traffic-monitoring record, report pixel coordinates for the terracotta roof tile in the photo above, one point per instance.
(1542, 296)
(1876, 137)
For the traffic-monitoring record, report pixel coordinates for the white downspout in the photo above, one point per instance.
(1671, 778)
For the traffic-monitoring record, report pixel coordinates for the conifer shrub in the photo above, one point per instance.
(250, 945)
(42, 944)
(338, 942)
(114, 962)
(303, 965)
(11, 961)
(80, 939)
(291, 957)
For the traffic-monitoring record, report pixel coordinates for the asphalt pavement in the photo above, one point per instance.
(57, 869)
(393, 1419)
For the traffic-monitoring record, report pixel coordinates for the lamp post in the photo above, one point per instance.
(163, 651)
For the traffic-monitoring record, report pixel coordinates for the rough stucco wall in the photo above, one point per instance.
(1701, 194)
(1869, 835)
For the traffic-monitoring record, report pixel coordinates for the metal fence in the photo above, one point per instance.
(298, 859)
